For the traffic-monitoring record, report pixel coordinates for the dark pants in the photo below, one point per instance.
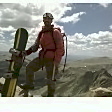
(51, 70)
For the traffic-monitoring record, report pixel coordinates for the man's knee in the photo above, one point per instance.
(28, 68)
(51, 82)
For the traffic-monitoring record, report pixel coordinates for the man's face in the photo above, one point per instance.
(47, 21)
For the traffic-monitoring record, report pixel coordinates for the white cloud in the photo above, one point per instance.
(110, 27)
(29, 16)
(95, 44)
(105, 5)
(101, 37)
(8, 29)
(15, 15)
(74, 18)
(1, 35)
(60, 11)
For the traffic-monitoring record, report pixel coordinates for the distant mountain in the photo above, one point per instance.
(78, 57)
(33, 55)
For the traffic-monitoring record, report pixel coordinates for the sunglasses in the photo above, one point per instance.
(48, 15)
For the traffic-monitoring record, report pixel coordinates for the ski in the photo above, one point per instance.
(16, 62)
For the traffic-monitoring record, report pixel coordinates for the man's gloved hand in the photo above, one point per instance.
(18, 53)
(14, 51)
(23, 53)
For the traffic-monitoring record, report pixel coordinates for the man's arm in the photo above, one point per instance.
(33, 48)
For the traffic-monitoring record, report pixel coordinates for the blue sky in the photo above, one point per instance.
(97, 18)
(88, 26)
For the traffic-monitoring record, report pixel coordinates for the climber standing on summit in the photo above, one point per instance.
(50, 40)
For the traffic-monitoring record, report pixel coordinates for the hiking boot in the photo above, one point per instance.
(50, 95)
(26, 86)
(44, 95)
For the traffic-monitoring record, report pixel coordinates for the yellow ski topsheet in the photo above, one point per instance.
(13, 81)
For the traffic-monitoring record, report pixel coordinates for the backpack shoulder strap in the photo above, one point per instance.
(52, 34)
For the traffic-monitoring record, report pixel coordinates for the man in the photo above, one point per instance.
(51, 41)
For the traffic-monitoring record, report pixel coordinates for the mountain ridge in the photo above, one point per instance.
(77, 80)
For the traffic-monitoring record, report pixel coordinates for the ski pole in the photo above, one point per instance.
(53, 75)
(65, 55)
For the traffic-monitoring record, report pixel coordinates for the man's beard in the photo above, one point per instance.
(47, 23)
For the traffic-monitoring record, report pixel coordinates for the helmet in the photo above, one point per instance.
(48, 15)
